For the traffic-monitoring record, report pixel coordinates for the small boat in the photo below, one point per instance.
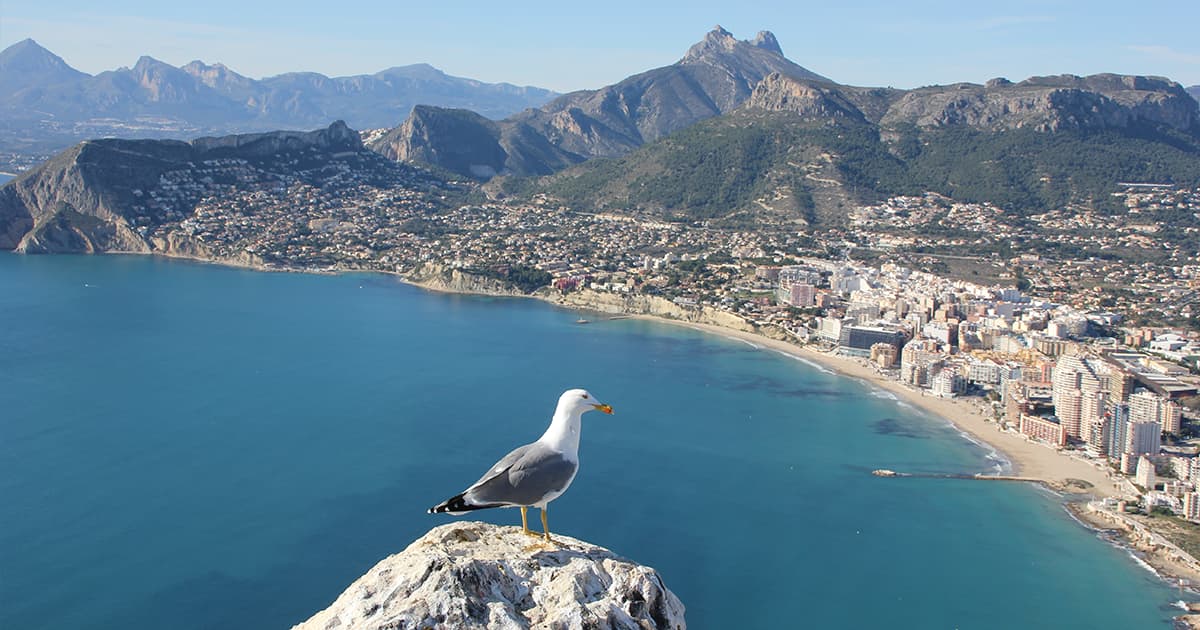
(582, 321)
(883, 472)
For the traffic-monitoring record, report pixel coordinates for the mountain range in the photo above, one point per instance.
(721, 75)
(798, 153)
(733, 133)
(45, 103)
(715, 76)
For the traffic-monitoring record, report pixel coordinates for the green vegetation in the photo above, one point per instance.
(527, 279)
(1027, 170)
(750, 166)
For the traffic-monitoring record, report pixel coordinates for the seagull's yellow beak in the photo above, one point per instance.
(604, 408)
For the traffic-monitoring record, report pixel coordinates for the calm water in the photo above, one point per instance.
(189, 446)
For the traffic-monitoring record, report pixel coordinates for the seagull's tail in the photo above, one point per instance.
(458, 504)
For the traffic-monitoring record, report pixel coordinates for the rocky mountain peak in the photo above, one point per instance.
(716, 76)
(27, 62)
(218, 76)
(718, 41)
(474, 575)
(29, 51)
(766, 40)
(146, 63)
(751, 59)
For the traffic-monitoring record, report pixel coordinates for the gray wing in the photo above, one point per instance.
(523, 477)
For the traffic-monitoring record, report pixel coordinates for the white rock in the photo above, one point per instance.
(476, 575)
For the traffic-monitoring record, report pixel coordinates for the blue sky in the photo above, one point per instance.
(559, 46)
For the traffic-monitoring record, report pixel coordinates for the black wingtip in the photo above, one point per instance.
(455, 503)
(458, 505)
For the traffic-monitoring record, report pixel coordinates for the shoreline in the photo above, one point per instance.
(1022, 456)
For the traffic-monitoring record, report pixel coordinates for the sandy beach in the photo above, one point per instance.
(1028, 459)
(971, 416)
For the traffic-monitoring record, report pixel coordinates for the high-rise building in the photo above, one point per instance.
(1171, 417)
(1096, 435)
(1079, 384)
(1143, 438)
(1068, 406)
(1191, 506)
(1145, 476)
(1118, 426)
(1128, 463)
(1146, 406)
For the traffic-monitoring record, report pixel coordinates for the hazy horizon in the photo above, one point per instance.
(549, 46)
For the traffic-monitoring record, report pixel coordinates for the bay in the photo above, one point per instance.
(190, 446)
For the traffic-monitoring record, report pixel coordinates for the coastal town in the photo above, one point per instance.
(890, 322)
(1092, 359)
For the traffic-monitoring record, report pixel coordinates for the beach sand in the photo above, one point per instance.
(971, 416)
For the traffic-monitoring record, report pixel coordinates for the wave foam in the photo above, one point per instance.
(812, 364)
(1000, 464)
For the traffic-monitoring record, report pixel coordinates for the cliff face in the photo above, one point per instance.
(1049, 104)
(777, 92)
(438, 277)
(1102, 101)
(456, 139)
(474, 575)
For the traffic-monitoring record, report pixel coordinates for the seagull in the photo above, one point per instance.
(535, 474)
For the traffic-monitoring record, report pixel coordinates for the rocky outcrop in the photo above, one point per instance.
(439, 277)
(714, 77)
(474, 575)
(807, 99)
(455, 139)
(1049, 104)
(335, 138)
(1103, 101)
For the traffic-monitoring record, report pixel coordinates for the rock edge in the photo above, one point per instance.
(476, 575)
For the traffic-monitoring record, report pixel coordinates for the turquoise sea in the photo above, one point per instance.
(190, 446)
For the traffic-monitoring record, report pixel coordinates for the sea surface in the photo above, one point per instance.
(190, 446)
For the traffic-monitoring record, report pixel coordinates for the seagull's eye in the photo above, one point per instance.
(584, 396)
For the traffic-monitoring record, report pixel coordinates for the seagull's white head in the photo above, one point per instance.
(579, 401)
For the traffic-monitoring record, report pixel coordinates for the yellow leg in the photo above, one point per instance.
(545, 527)
(525, 521)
